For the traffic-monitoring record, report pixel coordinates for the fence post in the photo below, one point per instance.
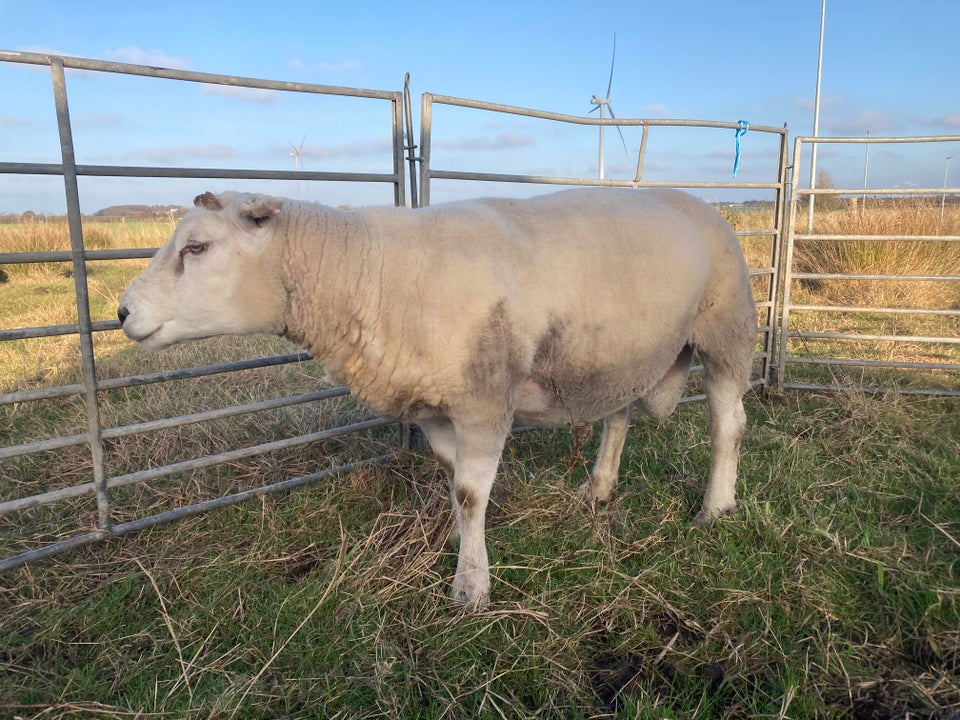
(88, 369)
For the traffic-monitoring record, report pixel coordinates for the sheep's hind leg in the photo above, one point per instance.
(603, 477)
(443, 441)
(659, 402)
(725, 389)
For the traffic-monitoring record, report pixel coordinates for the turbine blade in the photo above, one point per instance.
(625, 151)
(613, 60)
(610, 108)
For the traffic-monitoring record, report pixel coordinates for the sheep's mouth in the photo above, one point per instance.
(139, 339)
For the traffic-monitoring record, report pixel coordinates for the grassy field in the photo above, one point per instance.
(834, 591)
(908, 217)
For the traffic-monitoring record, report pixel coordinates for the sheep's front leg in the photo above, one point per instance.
(478, 455)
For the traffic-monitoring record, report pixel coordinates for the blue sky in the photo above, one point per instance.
(889, 67)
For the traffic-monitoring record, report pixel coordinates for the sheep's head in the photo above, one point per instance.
(219, 274)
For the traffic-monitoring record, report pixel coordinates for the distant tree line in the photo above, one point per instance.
(113, 213)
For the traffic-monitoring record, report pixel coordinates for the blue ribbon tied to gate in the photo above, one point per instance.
(741, 131)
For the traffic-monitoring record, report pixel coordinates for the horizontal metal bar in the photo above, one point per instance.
(877, 238)
(225, 173)
(870, 389)
(16, 561)
(197, 173)
(221, 413)
(589, 182)
(137, 380)
(40, 394)
(872, 310)
(25, 258)
(202, 371)
(877, 191)
(75, 63)
(172, 422)
(748, 233)
(865, 336)
(187, 465)
(587, 120)
(756, 272)
(893, 364)
(78, 541)
(875, 140)
(234, 498)
(856, 276)
(19, 168)
(37, 446)
(241, 453)
(55, 330)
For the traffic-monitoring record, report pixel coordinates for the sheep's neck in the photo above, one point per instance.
(332, 278)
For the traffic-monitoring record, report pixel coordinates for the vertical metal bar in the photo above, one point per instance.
(91, 400)
(787, 269)
(642, 154)
(411, 146)
(426, 125)
(399, 191)
(773, 289)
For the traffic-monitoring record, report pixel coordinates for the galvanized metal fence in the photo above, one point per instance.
(101, 485)
(783, 343)
(866, 308)
(765, 276)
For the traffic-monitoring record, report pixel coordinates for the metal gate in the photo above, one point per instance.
(871, 298)
(25, 506)
(772, 174)
(800, 343)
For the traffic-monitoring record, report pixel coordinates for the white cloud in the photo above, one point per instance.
(858, 123)
(372, 147)
(656, 110)
(210, 151)
(501, 141)
(12, 121)
(950, 120)
(826, 101)
(139, 56)
(259, 96)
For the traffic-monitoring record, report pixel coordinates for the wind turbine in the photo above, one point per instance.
(295, 154)
(600, 102)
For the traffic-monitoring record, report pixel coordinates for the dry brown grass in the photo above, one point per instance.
(884, 257)
(54, 236)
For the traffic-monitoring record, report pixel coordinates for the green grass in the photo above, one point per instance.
(832, 592)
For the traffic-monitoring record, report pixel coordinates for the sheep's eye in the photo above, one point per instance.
(193, 248)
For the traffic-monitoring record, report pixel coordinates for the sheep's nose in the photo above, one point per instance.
(123, 314)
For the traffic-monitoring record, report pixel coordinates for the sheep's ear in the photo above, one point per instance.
(259, 209)
(209, 201)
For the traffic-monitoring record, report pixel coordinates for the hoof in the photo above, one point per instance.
(471, 590)
(590, 493)
(704, 519)
(468, 602)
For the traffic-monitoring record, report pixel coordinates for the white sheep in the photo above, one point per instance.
(468, 317)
